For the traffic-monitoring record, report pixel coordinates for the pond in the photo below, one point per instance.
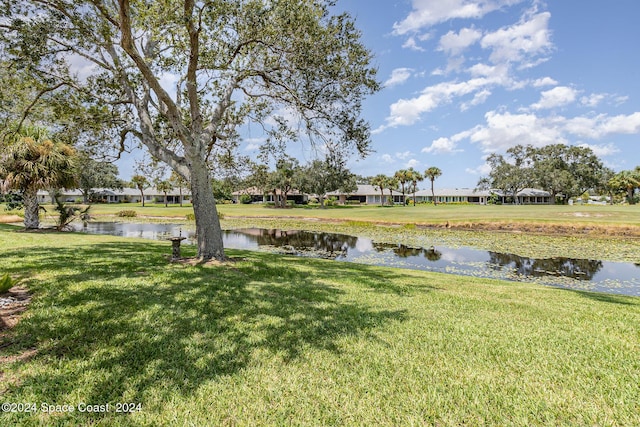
(579, 274)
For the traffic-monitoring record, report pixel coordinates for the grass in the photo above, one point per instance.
(272, 340)
(588, 215)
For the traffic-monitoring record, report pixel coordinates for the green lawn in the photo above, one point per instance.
(272, 340)
(617, 215)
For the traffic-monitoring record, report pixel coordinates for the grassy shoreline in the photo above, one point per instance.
(271, 340)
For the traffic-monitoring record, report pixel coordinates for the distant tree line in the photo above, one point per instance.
(564, 171)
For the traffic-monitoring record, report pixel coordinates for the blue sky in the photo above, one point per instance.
(466, 78)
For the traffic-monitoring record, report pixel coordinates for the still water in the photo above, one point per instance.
(581, 274)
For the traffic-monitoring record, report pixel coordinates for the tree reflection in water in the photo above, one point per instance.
(581, 269)
(606, 276)
(404, 251)
(303, 240)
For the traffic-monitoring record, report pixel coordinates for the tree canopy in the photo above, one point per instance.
(181, 77)
(323, 176)
(564, 171)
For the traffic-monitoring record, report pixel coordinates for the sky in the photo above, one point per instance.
(466, 78)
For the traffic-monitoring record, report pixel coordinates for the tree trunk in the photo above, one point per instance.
(433, 194)
(208, 230)
(31, 208)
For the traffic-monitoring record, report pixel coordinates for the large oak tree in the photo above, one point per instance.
(182, 76)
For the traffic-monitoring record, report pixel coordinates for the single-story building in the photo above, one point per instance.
(365, 194)
(260, 196)
(371, 195)
(527, 196)
(125, 195)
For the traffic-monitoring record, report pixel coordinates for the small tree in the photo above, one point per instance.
(164, 186)
(321, 177)
(286, 177)
(392, 185)
(627, 181)
(140, 182)
(92, 174)
(66, 214)
(178, 182)
(415, 178)
(432, 173)
(380, 182)
(403, 176)
(31, 162)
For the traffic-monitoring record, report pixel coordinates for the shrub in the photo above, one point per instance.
(127, 214)
(331, 201)
(245, 199)
(68, 213)
(7, 282)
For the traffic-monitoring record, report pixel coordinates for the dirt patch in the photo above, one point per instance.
(12, 305)
(7, 219)
(199, 261)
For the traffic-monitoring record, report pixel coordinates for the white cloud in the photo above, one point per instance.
(520, 42)
(602, 125)
(455, 43)
(545, 81)
(441, 146)
(398, 76)
(426, 13)
(387, 158)
(481, 170)
(621, 100)
(478, 98)
(253, 143)
(447, 145)
(411, 43)
(403, 156)
(556, 97)
(405, 112)
(413, 163)
(602, 150)
(505, 130)
(593, 100)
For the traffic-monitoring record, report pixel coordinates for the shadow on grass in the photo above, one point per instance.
(118, 321)
(608, 298)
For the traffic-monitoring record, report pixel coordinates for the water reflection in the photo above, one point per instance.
(581, 269)
(566, 272)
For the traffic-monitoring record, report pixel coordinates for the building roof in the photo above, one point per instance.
(453, 192)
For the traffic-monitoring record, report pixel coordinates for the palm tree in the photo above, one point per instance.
(380, 181)
(403, 176)
(392, 184)
(628, 180)
(31, 162)
(432, 173)
(415, 178)
(139, 182)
